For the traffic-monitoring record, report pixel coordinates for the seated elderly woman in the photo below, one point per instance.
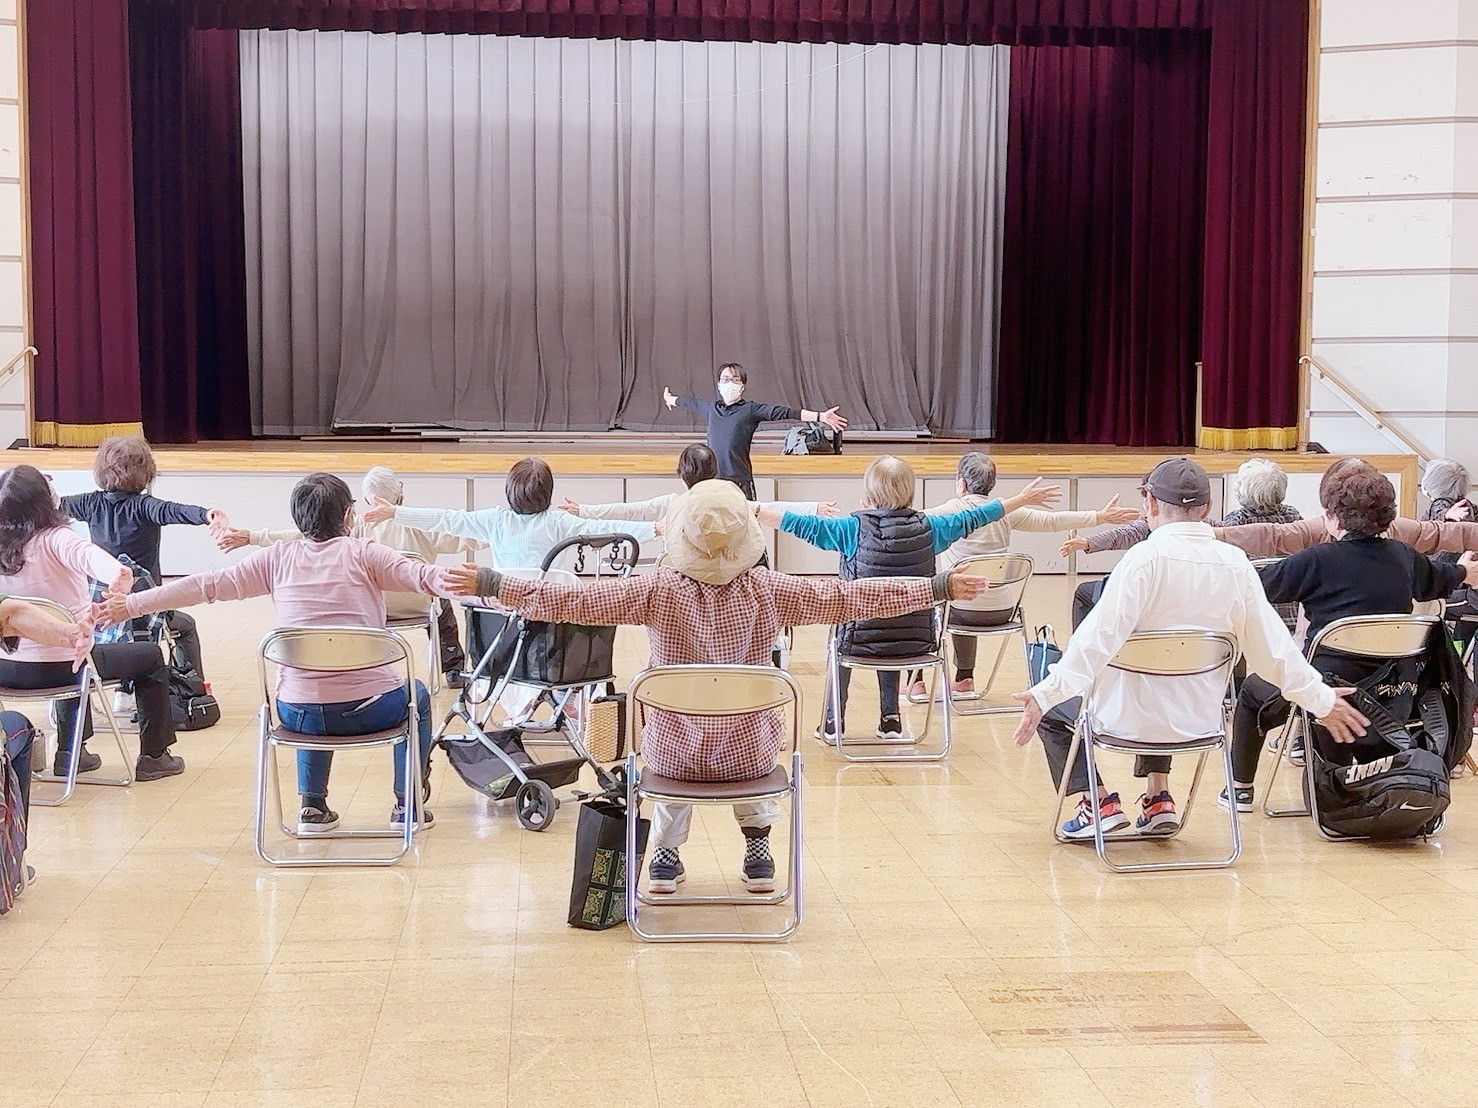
(324, 579)
(1358, 574)
(1259, 488)
(712, 603)
(41, 556)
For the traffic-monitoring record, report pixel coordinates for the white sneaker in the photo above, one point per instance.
(123, 703)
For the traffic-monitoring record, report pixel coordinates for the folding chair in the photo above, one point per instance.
(936, 660)
(1158, 654)
(713, 690)
(1378, 638)
(333, 650)
(994, 614)
(88, 684)
(430, 623)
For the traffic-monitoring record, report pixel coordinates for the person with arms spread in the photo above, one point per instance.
(732, 422)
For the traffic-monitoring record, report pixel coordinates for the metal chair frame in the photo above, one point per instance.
(430, 623)
(714, 690)
(936, 660)
(1009, 571)
(1168, 654)
(1357, 636)
(89, 684)
(333, 650)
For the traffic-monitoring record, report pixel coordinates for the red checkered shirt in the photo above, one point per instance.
(688, 621)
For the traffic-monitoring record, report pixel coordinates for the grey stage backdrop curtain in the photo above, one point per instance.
(539, 234)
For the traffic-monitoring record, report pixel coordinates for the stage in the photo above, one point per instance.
(251, 480)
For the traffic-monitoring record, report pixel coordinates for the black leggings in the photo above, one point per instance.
(139, 661)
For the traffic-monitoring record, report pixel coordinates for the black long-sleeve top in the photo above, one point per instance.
(1360, 575)
(731, 429)
(129, 522)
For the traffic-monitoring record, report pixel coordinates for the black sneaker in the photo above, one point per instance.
(759, 867)
(454, 680)
(1244, 799)
(152, 767)
(313, 820)
(889, 727)
(424, 819)
(85, 764)
(665, 872)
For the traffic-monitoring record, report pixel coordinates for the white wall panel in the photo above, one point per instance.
(1391, 234)
(1399, 306)
(1389, 160)
(1363, 22)
(1388, 84)
(1396, 376)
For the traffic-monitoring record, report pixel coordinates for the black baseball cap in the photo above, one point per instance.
(1178, 481)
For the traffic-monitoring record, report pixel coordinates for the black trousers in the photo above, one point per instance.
(1261, 707)
(452, 656)
(140, 662)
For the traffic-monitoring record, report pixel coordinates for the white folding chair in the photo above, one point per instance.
(89, 684)
(706, 691)
(936, 660)
(1377, 638)
(994, 614)
(430, 623)
(333, 650)
(1162, 655)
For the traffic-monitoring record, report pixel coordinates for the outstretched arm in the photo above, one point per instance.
(1274, 540)
(252, 576)
(805, 600)
(602, 604)
(1430, 537)
(839, 534)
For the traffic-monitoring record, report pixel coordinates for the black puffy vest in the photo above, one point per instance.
(894, 542)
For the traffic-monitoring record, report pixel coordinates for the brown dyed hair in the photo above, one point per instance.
(530, 486)
(1359, 496)
(124, 463)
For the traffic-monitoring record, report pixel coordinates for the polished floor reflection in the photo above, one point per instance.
(951, 952)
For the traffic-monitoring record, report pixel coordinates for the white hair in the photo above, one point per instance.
(1445, 479)
(1260, 484)
(381, 482)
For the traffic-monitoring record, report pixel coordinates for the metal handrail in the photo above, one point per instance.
(9, 367)
(1362, 406)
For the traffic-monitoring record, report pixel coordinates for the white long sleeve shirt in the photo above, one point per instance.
(995, 538)
(656, 508)
(1181, 578)
(516, 540)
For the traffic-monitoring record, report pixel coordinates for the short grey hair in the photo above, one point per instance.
(1260, 484)
(380, 482)
(978, 472)
(1445, 479)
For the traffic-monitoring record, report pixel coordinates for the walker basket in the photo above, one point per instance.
(488, 772)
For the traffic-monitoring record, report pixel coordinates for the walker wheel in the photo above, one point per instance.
(535, 805)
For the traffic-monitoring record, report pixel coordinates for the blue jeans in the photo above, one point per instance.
(354, 717)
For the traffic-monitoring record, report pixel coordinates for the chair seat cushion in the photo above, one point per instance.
(1150, 746)
(776, 781)
(296, 738)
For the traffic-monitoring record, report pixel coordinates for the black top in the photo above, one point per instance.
(731, 429)
(129, 522)
(1357, 576)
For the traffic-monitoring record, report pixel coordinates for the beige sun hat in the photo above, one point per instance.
(712, 535)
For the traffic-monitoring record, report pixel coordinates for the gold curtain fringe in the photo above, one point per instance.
(48, 433)
(1247, 438)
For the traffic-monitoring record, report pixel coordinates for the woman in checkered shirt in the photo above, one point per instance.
(712, 603)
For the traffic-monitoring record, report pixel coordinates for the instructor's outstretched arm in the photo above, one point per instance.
(831, 417)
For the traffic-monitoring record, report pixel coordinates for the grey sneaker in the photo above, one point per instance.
(316, 821)
(666, 871)
(86, 762)
(759, 867)
(151, 767)
(424, 819)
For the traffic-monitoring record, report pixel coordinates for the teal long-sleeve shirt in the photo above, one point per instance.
(841, 534)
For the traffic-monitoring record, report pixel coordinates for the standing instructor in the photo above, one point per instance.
(732, 422)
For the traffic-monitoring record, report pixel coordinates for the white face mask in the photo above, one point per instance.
(730, 391)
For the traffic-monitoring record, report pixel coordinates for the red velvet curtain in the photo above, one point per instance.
(86, 381)
(90, 295)
(190, 231)
(1254, 225)
(1102, 275)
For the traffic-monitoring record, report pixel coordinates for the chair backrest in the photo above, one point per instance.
(50, 607)
(1377, 636)
(713, 690)
(331, 650)
(1176, 653)
(1008, 574)
(1288, 613)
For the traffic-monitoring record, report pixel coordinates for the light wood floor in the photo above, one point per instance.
(951, 952)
